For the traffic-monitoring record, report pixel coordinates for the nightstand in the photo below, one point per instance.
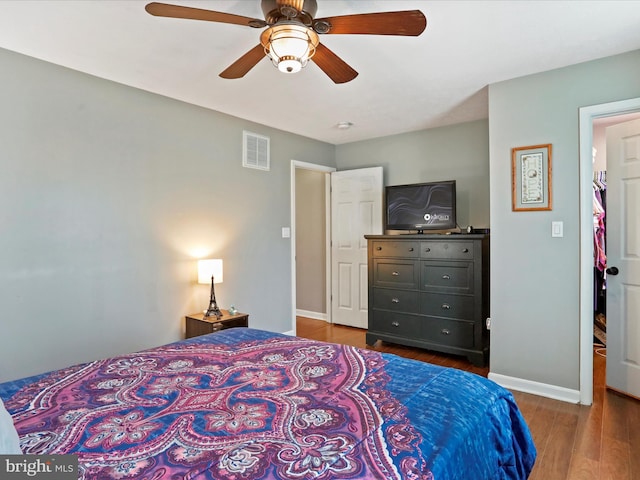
(198, 325)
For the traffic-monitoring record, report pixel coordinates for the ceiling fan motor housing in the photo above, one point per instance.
(302, 10)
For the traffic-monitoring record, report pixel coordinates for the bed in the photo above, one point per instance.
(244, 403)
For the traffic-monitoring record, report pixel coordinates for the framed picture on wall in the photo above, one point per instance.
(531, 178)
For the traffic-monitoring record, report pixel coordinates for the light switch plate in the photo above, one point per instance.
(286, 232)
(557, 229)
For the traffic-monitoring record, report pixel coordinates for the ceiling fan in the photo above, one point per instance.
(291, 37)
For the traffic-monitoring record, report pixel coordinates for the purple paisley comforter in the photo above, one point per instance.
(249, 404)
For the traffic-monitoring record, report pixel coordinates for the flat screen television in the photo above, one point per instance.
(421, 206)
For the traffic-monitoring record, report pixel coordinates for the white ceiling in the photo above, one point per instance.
(404, 83)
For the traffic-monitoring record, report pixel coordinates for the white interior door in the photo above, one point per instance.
(623, 255)
(356, 210)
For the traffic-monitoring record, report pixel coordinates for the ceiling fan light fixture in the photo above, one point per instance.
(289, 45)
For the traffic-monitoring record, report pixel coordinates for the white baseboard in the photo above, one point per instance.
(536, 388)
(313, 315)
(290, 333)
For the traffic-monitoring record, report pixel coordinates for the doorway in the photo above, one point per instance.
(318, 211)
(353, 209)
(587, 117)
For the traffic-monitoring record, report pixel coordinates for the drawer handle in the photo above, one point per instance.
(446, 306)
(411, 249)
(395, 274)
(465, 250)
(445, 331)
(378, 248)
(427, 249)
(446, 277)
(395, 300)
(395, 324)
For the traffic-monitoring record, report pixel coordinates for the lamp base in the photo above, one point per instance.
(213, 311)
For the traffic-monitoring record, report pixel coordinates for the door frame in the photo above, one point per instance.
(296, 164)
(587, 115)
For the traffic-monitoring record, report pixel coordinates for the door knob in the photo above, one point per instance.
(613, 270)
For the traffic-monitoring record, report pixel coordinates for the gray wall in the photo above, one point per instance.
(457, 152)
(311, 259)
(108, 195)
(534, 277)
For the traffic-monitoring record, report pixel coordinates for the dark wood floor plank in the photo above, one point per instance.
(615, 463)
(589, 432)
(615, 422)
(583, 468)
(633, 410)
(541, 426)
(556, 458)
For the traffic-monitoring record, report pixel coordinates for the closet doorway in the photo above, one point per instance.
(594, 301)
(600, 213)
(623, 258)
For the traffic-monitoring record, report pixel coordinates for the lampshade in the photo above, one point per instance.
(210, 268)
(290, 45)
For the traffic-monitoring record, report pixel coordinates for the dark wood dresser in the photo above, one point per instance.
(430, 291)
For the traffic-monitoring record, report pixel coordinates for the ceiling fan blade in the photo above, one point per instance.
(240, 67)
(409, 23)
(177, 11)
(331, 64)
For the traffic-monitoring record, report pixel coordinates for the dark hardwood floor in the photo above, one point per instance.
(574, 442)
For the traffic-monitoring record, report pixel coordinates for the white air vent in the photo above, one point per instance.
(255, 151)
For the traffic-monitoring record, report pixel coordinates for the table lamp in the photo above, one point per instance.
(210, 270)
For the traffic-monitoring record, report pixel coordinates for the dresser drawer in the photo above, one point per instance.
(396, 273)
(453, 333)
(454, 250)
(400, 324)
(396, 300)
(396, 249)
(447, 276)
(444, 305)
